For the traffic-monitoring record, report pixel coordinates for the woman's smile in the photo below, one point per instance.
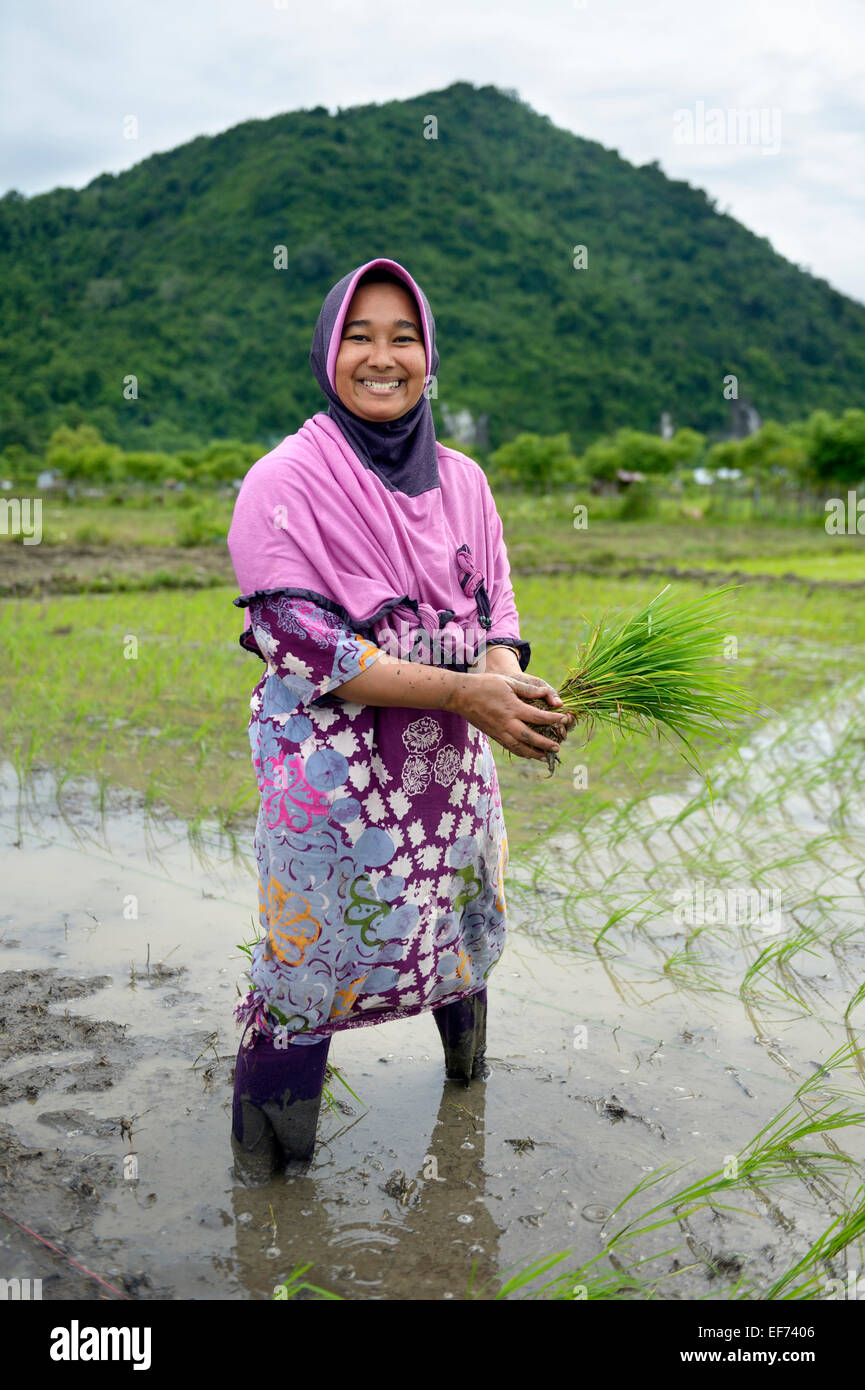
(381, 388)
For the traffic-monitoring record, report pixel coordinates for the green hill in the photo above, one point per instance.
(166, 272)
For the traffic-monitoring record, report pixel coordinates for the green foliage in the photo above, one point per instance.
(200, 526)
(727, 454)
(820, 449)
(643, 453)
(168, 271)
(222, 461)
(836, 448)
(774, 452)
(638, 503)
(800, 454)
(82, 455)
(143, 467)
(533, 462)
(635, 451)
(18, 464)
(686, 448)
(602, 460)
(88, 534)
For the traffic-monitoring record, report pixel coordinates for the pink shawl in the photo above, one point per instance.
(314, 521)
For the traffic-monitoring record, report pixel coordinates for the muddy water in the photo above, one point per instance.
(118, 973)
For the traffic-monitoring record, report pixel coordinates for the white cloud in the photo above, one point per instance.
(614, 71)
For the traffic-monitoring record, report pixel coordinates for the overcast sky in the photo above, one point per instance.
(618, 71)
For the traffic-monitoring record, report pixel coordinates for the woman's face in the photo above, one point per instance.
(382, 342)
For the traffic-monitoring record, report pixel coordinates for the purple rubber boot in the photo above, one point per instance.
(277, 1099)
(462, 1026)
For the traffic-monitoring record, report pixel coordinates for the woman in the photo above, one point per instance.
(371, 561)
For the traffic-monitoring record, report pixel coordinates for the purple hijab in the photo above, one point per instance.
(374, 521)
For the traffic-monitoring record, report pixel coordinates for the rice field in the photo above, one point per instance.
(753, 903)
(729, 916)
(156, 542)
(149, 690)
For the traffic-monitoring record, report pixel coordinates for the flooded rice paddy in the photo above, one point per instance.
(679, 1011)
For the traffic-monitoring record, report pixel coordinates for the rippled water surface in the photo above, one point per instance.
(675, 970)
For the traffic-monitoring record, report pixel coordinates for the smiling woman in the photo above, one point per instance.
(380, 841)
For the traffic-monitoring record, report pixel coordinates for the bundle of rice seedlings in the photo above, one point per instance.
(661, 670)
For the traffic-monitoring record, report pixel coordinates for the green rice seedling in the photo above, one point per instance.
(770, 1159)
(839, 1236)
(857, 999)
(617, 916)
(779, 953)
(295, 1284)
(660, 669)
(334, 1072)
(691, 974)
(23, 756)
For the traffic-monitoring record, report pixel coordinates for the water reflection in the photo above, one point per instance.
(420, 1232)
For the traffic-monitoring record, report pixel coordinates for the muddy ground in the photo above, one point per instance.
(60, 1191)
(117, 1039)
(67, 569)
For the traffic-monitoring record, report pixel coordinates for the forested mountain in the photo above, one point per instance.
(166, 272)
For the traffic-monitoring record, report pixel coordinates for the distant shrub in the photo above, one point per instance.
(686, 447)
(149, 468)
(221, 461)
(166, 579)
(774, 455)
(186, 500)
(539, 462)
(635, 451)
(82, 455)
(836, 446)
(199, 527)
(640, 501)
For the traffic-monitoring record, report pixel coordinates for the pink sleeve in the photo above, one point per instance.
(505, 626)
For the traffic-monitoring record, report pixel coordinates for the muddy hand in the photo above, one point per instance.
(542, 690)
(544, 698)
(498, 706)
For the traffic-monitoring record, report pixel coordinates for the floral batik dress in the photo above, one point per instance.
(380, 841)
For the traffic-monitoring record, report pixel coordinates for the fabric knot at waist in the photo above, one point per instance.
(473, 585)
(420, 613)
(422, 633)
(415, 631)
